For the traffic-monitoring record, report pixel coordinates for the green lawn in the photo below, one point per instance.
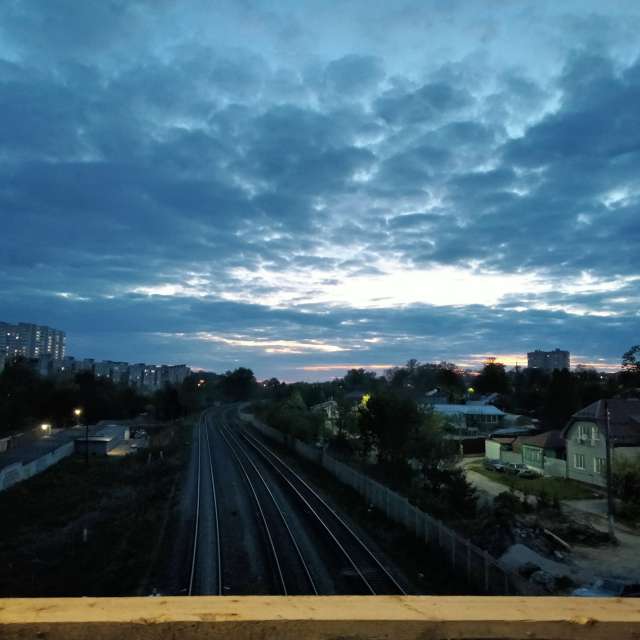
(560, 487)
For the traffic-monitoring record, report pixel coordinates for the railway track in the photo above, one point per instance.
(282, 544)
(367, 574)
(197, 550)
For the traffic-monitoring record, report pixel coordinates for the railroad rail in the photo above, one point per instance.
(234, 442)
(367, 568)
(202, 426)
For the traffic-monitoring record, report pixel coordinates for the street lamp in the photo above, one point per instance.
(45, 427)
(77, 412)
(610, 503)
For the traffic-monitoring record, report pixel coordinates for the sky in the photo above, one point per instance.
(305, 187)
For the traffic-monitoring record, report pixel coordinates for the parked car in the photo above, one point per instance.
(516, 468)
(528, 473)
(494, 465)
(608, 588)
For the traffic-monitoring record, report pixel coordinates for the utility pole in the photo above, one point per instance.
(610, 504)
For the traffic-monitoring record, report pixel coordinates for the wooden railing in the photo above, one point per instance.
(301, 618)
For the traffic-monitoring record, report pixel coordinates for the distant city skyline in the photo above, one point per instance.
(312, 372)
(298, 186)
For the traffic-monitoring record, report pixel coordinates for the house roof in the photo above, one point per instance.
(486, 399)
(547, 440)
(33, 448)
(323, 405)
(624, 418)
(503, 440)
(468, 409)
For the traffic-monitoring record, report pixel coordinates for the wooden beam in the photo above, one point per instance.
(301, 618)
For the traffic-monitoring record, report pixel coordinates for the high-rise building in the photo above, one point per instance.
(548, 360)
(31, 340)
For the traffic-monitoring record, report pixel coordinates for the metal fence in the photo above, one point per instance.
(477, 565)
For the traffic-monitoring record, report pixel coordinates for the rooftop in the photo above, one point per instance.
(468, 409)
(624, 418)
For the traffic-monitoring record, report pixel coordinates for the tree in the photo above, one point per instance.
(562, 399)
(450, 381)
(492, 379)
(274, 389)
(239, 384)
(387, 420)
(167, 403)
(292, 417)
(20, 388)
(626, 477)
(359, 379)
(443, 484)
(631, 367)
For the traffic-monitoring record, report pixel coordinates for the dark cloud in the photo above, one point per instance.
(353, 74)
(148, 147)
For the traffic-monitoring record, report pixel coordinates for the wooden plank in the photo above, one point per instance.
(299, 618)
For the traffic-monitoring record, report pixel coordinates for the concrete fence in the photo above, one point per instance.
(476, 565)
(17, 472)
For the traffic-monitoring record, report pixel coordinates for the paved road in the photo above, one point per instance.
(269, 534)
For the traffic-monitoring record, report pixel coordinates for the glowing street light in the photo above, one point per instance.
(77, 412)
(45, 427)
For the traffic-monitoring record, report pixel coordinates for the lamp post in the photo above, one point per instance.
(610, 505)
(77, 412)
(45, 427)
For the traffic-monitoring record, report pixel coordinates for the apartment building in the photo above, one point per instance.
(549, 360)
(31, 340)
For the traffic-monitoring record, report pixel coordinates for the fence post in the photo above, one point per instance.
(486, 571)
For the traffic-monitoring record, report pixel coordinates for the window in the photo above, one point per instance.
(600, 465)
(595, 433)
(578, 460)
(584, 432)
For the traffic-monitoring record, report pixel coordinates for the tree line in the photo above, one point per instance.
(28, 399)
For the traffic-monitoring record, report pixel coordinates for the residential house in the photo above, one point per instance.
(471, 418)
(329, 411)
(544, 452)
(586, 438)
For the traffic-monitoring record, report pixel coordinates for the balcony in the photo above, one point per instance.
(300, 618)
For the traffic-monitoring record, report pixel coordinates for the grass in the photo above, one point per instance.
(563, 488)
(121, 501)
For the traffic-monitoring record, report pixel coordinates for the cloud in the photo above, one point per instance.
(392, 181)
